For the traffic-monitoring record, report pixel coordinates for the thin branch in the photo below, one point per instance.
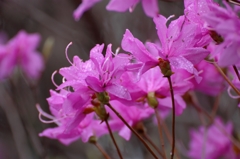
(226, 78)
(236, 71)
(113, 139)
(169, 137)
(104, 153)
(152, 143)
(160, 132)
(139, 137)
(215, 106)
(173, 117)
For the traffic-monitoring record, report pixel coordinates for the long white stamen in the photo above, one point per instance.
(42, 113)
(231, 95)
(66, 53)
(52, 78)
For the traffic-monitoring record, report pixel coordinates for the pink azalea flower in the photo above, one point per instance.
(100, 74)
(150, 7)
(21, 50)
(109, 71)
(181, 45)
(73, 110)
(72, 123)
(224, 21)
(211, 142)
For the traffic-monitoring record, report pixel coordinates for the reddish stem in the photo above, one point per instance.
(139, 137)
(160, 132)
(99, 147)
(173, 117)
(113, 139)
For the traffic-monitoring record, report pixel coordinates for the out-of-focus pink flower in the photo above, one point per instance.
(21, 51)
(212, 142)
(226, 23)
(150, 6)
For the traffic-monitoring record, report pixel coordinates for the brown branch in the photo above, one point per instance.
(139, 137)
(113, 139)
(160, 132)
(173, 117)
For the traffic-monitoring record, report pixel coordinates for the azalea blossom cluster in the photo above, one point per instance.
(138, 81)
(21, 51)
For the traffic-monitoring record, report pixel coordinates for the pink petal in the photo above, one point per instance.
(181, 63)
(94, 84)
(195, 55)
(136, 47)
(125, 132)
(161, 27)
(96, 56)
(120, 6)
(150, 7)
(79, 116)
(32, 64)
(119, 91)
(229, 55)
(84, 6)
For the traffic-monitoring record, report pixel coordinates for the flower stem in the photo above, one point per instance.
(236, 71)
(234, 2)
(139, 137)
(160, 132)
(173, 116)
(226, 78)
(169, 137)
(99, 147)
(114, 141)
(152, 143)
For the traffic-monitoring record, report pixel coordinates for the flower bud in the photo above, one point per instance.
(165, 67)
(152, 100)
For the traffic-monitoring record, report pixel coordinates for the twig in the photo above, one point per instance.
(226, 78)
(139, 137)
(215, 106)
(169, 137)
(113, 139)
(104, 153)
(152, 143)
(236, 71)
(173, 117)
(160, 132)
